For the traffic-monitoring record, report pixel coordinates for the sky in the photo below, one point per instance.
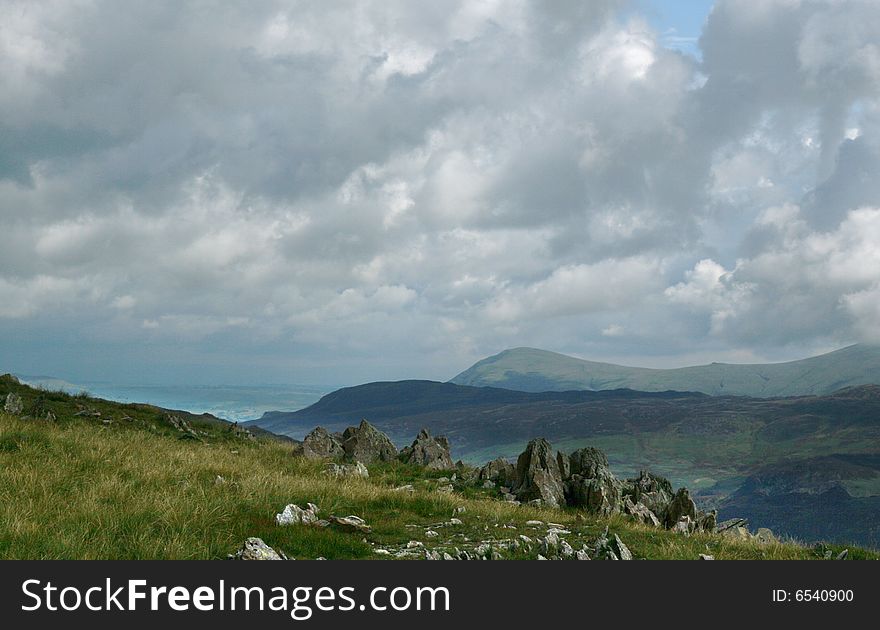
(334, 193)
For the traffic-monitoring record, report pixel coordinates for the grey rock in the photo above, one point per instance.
(564, 463)
(765, 536)
(351, 523)
(256, 549)
(430, 452)
(680, 505)
(365, 443)
(320, 444)
(704, 556)
(295, 515)
(640, 513)
(538, 476)
(499, 471)
(611, 548)
(14, 404)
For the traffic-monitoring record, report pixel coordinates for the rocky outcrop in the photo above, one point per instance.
(498, 471)
(430, 452)
(538, 476)
(584, 480)
(366, 444)
(591, 483)
(13, 405)
(320, 444)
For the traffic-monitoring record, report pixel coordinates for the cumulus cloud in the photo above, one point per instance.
(384, 189)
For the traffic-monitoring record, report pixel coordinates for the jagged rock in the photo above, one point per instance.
(564, 463)
(320, 444)
(498, 471)
(588, 462)
(538, 476)
(611, 548)
(14, 405)
(652, 491)
(347, 471)
(684, 525)
(565, 549)
(365, 443)
(640, 513)
(430, 452)
(351, 523)
(680, 505)
(295, 515)
(549, 544)
(256, 549)
(600, 495)
(730, 523)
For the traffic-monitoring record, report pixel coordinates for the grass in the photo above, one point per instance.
(81, 489)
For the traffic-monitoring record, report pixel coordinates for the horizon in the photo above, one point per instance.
(270, 194)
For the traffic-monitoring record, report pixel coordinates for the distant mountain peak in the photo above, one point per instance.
(535, 370)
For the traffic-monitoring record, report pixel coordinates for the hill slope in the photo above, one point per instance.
(77, 487)
(532, 370)
(713, 444)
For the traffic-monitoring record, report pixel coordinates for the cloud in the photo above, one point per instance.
(380, 189)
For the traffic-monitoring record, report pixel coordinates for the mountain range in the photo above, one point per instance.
(795, 445)
(533, 370)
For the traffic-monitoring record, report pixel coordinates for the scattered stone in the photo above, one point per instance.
(447, 489)
(256, 549)
(565, 549)
(611, 548)
(737, 532)
(842, 555)
(381, 552)
(14, 404)
(704, 556)
(219, 481)
(414, 544)
(365, 443)
(431, 534)
(351, 523)
(534, 523)
(430, 452)
(295, 515)
(407, 488)
(582, 554)
(347, 471)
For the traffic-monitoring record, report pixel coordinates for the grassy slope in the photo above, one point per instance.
(530, 369)
(79, 489)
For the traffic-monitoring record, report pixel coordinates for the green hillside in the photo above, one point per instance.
(86, 478)
(532, 370)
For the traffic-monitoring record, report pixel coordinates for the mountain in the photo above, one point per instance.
(532, 370)
(728, 449)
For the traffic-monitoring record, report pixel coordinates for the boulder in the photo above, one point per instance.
(538, 476)
(640, 513)
(765, 536)
(256, 549)
(347, 471)
(600, 495)
(14, 405)
(365, 443)
(295, 515)
(498, 471)
(430, 452)
(652, 491)
(320, 444)
(588, 462)
(680, 506)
